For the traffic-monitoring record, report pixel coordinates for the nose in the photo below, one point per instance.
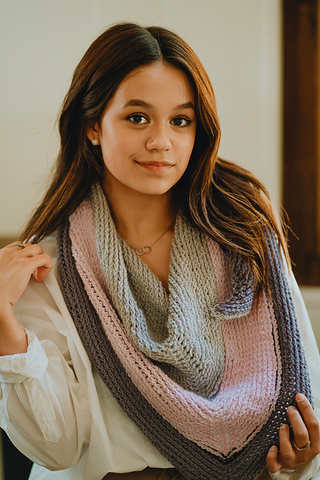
(159, 139)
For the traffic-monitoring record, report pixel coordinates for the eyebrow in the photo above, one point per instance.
(140, 103)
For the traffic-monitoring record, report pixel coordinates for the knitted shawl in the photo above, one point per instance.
(204, 370)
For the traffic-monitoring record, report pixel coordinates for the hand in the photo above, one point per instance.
(304, 431)
(16, 267)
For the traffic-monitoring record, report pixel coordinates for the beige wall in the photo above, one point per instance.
(42, 41)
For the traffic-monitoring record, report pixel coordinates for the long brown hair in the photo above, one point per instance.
(220, 198)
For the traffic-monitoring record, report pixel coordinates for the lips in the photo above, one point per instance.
(156, 166)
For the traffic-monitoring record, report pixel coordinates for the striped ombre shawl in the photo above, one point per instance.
(227, 435)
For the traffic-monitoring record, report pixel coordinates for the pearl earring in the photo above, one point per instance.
(95, 142)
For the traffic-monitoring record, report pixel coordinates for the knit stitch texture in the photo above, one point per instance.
(180, 330)
(226, 435)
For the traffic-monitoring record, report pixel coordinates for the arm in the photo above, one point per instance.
(17, 265)
(43, 407)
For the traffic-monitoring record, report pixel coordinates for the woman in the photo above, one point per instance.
(167, 275)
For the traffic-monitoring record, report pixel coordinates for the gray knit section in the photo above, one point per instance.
(242, 289)
(179, 330)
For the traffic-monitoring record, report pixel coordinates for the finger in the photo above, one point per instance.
(31, 250)
(41, 266)
(29, 264)
(25, 249)
(272, 461)
(300, 431)
(17, 244)
(42, 271)
(287, 454)
(310, 419)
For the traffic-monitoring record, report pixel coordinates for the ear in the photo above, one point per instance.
(93, 134)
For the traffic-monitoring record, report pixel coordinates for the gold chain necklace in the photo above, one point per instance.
(147, 249)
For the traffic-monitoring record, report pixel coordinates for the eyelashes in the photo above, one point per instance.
(141, 119)
(137, 119)
(180, 121)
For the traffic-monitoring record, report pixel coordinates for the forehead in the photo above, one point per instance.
(157, 81)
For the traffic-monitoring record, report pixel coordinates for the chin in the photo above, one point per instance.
(153, 188)
(155, 192)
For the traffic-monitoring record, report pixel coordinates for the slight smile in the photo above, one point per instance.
(157, 167)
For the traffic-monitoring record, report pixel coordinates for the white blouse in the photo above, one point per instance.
(58, 412)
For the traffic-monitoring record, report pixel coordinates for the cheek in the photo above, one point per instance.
(187, 148)
(118, 144)
(113, 149)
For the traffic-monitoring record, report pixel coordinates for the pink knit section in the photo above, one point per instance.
(226, 423)
(252, 376)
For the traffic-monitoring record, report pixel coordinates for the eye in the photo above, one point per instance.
(137, 119)
(180, 121)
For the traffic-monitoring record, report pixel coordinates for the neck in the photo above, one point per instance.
(139, 217)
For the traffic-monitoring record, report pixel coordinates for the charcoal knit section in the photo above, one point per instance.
(191, 460)
(180, 331)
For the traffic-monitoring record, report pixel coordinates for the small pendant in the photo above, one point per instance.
(142, 250)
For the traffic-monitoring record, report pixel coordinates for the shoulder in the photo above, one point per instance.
(38, 300)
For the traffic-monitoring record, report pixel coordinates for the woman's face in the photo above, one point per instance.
(148, 130)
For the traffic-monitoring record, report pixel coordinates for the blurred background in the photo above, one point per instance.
(263, 60)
